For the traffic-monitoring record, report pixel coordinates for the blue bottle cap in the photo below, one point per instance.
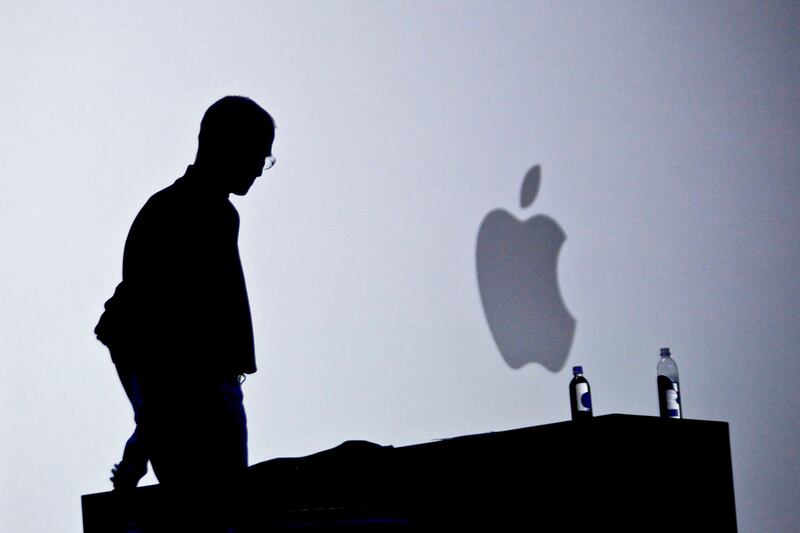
(665, 352)
(577, 370)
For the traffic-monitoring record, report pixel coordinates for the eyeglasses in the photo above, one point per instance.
(269, 162)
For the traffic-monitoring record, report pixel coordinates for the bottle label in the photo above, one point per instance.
(673, 401)
(669, 398)
(584, 399)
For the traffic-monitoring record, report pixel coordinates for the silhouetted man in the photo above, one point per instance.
(178, 325)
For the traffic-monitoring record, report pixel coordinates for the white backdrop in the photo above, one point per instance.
(668, 140)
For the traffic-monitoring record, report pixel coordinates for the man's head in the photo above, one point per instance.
(235, 140)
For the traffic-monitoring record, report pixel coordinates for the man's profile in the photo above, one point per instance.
(178, 326)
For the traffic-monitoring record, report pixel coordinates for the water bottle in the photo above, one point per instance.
(669, 398)
(580, 397)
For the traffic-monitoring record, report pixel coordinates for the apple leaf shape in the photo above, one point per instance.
(530, 186)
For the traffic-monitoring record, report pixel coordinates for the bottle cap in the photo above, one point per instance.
(665, 352)
(577, 370)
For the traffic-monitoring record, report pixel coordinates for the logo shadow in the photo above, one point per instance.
(517, 265)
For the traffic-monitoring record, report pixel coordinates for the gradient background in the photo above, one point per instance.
(668, 135)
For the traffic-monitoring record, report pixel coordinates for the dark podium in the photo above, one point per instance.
(622, 472)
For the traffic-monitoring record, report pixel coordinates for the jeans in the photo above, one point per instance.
(195, 432)
(192, 429)
(133, 465)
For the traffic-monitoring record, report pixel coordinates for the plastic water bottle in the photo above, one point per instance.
(669, 397)
(580, 396)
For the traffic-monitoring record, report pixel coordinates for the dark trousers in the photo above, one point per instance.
(135, 455)
(195, 429)
(196, 433)
(192, 427)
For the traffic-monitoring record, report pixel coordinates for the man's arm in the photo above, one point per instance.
(106, 328)
(120, 326)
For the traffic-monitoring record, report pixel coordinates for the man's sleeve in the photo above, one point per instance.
(120, 325)
(106, 329)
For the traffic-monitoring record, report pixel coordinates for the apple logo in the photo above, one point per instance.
(517, 279)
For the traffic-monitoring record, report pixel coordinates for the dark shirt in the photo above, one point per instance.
(182, 304)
